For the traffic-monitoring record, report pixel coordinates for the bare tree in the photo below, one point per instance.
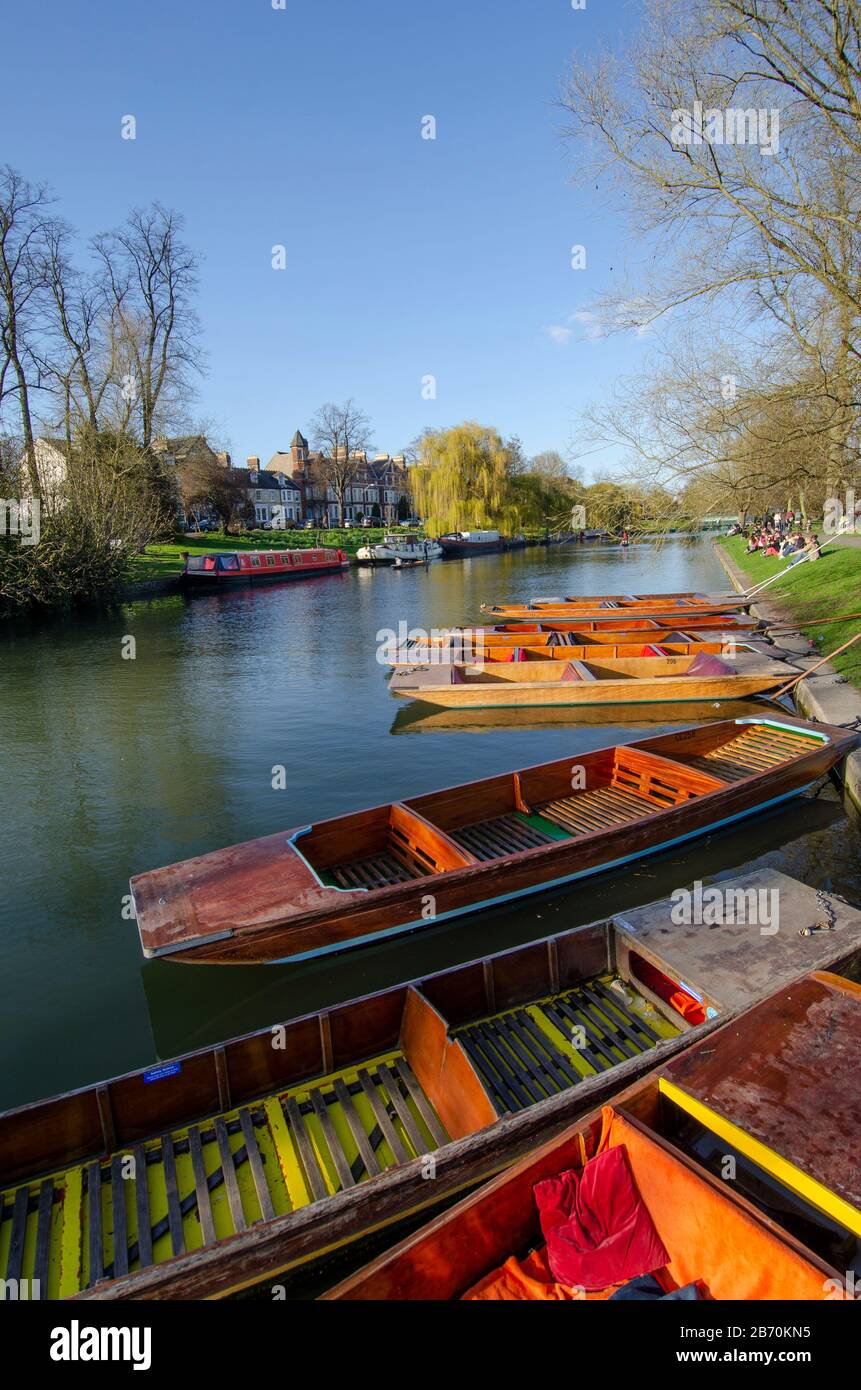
(340, 433)
(24, 218)
(150, 280)
(732, 129)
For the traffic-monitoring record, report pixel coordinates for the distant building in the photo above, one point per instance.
(375, 489)
(52, 467)
(275, 497)
(187, 448)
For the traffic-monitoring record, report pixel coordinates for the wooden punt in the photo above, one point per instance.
(600, 680)
(245, 1160)
(725, 621)
(776, 1089)
(558, 636)
(635, 605)
(407, 865)
(469, 652)
(412, 717)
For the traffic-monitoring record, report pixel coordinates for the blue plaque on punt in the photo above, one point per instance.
(159, 1073)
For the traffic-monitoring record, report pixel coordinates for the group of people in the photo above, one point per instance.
(776, 535)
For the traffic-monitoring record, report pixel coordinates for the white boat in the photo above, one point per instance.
(402, 548)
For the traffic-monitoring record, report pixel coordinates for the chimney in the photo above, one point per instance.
(253, 462)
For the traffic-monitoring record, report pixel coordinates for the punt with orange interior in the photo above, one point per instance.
(639, 1200)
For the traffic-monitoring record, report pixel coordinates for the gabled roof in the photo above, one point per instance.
(266, 481)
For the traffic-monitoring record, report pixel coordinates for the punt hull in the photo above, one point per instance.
(209, 912)
(727, 1237)
(427, 1024)
(668, 690)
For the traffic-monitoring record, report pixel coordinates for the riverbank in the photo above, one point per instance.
(830, 585)
(162, 561)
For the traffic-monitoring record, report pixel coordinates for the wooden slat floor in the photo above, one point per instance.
(528, 1053)
(196, 1185)
(757, 749)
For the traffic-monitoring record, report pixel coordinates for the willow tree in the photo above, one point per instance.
(462, 479)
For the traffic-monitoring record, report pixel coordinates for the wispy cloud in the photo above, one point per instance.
(589, 325)
(559, 333)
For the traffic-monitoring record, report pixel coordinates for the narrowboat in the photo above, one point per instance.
(226, 568)
(407, 549)
(460, 545)
(775, 1090)
(215, 1170)
(407, 865)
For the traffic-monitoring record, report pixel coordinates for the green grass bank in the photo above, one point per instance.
(812, 593)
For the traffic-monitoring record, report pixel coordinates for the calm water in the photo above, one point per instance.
(113, 766)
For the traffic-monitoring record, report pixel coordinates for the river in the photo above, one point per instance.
(112, 765)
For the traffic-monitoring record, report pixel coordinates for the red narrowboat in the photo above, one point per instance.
(224, 569)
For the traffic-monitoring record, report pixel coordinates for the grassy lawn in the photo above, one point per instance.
(162, 561)
(832, 584)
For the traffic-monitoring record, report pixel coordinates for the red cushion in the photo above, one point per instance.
(597, 1228)
(570, 673)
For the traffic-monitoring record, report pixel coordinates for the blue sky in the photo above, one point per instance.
(405, 257)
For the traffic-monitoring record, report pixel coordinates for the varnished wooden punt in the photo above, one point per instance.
(777, 1088)
(557, 639)
(473, 653)
(406, 865)
(259, 1155)
(599, 680)
(412, 717)
(540, 623)
(676, 607)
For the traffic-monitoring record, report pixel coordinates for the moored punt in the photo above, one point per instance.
(665, 609)
(412, 717)
(683, 599)
(260, 1154)
(488, 649)
(553, 635)
(407, 865)
(600, 680)
(724, 621)
(224, 569)
(775, 1089)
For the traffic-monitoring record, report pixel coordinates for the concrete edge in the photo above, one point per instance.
(826, 697)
